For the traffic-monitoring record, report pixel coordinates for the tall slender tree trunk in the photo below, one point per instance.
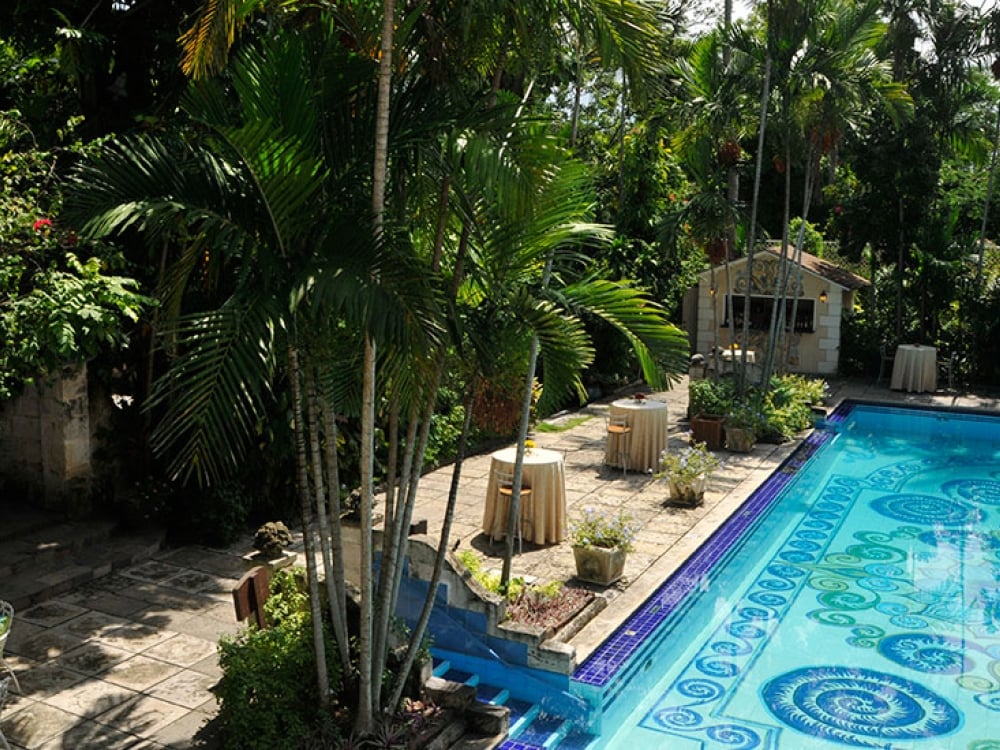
(420, 629)
(752, 234)
(335, 575)
(368, 700)
(302, 481)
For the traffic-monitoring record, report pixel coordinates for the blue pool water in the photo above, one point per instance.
(853, 601)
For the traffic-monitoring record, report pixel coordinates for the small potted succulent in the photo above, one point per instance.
(270, 543)
(601, 541)
(687, 473)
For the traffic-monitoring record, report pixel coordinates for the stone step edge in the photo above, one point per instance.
(59, 577)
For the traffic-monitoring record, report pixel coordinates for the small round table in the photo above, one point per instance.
(648, 439)
(544, 520)
(914, 368)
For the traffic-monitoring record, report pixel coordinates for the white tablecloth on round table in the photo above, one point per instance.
(736, 355)
(648, 420)
(914, 368)
(544, 510)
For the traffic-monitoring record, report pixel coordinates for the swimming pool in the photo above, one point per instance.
(853, 600)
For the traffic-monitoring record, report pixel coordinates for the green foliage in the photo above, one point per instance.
(687, 464)
(812, 240)
(267, 693)
(710, 396)
(785, 407)
(60, 302)
(147, 504)
(517, 589)
(216, 516)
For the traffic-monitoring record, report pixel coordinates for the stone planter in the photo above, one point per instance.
(599, 564)
(739, 440)
(284, 560)
(708, 429)
(687, 493)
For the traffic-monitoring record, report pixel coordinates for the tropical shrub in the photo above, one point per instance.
(268, 691)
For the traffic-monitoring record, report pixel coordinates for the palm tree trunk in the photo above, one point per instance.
(417, 637)
(751, 236)
(367, 698)
(302, 480)
(335, 575)
(810, 179)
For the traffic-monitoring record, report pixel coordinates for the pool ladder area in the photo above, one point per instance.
(530, 727)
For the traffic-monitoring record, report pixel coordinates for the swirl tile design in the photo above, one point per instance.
(856, 706)
(893, 573)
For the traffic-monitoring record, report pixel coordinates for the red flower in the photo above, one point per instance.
(41, 223)
(838, 209)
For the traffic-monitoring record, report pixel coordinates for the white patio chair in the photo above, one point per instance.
(946, 369)
(5, 687)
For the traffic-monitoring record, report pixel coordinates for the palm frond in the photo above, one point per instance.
(661, 347)
(214, 393)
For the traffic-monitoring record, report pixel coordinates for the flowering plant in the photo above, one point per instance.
(694, 461)
(603, 529)
(746, 417)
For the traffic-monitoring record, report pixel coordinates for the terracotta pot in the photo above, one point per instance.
(688, 493)
(599, 564)
(708, 429)
(739, 440)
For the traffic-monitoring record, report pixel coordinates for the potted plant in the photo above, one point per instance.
(270, 542)
(708, 403)
(601, 541)
(687, 473)
(743, 424)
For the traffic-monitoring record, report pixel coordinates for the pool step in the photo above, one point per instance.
(530, 728)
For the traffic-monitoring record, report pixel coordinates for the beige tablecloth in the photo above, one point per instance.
(914, 368)
(544, 511)
(648, 420)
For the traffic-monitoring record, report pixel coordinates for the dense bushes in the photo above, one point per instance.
(268, 691)
(783, 407)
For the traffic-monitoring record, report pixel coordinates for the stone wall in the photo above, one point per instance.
(45, 445)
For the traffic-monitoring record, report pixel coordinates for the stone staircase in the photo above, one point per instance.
(43, 555)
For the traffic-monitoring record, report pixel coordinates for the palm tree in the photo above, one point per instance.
(830, 79)
(245, 199)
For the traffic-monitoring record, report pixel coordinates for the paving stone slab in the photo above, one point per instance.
(184, 650)
(136, 636)
(93, 657)
(142, 715)
(139, 673)
(91, 734)
(185, 688)
(45, 645)
(37, 723)
(45, 680)
(90, 698)
(90, 625)
(50, 613)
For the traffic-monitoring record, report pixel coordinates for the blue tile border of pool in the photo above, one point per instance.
(604, 664)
